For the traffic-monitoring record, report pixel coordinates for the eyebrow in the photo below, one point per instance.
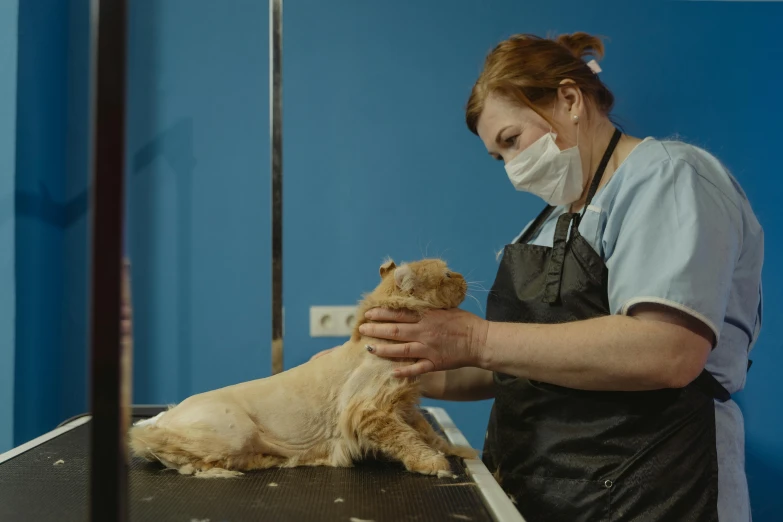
(498, 141)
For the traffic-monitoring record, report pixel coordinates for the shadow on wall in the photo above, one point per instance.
(43, 207)
(175, 147)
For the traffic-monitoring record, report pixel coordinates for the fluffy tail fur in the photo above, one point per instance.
(194, 451)
(147, 440)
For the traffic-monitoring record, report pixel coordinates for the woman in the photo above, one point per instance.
(620, 320)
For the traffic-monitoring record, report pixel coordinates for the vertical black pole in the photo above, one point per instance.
(108, 455)
(276, 120)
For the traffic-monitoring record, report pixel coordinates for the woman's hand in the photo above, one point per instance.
(440, 339)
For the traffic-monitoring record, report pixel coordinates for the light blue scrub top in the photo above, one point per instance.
(675, 228)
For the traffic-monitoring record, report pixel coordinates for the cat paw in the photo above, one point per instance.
(430, 465)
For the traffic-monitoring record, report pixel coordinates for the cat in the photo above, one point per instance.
(330, 411)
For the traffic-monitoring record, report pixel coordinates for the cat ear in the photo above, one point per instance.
(404, 278)
(387, 267)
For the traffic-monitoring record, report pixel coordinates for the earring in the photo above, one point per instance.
(575, 118)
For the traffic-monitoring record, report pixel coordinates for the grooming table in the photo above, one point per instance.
(47, 479)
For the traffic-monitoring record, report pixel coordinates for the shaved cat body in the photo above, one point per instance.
(330, 411)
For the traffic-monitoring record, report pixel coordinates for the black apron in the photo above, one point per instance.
(571, 455)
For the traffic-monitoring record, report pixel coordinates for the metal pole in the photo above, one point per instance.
(276, 121)
(109, 393)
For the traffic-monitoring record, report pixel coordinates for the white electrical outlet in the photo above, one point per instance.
(332, 321)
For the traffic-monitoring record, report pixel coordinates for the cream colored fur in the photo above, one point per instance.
(330, 411)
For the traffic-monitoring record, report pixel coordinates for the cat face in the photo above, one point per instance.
(429, 280)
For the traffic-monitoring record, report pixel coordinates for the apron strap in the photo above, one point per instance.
(536, 224)
(599, 174)
(571, 220)
(544, 214)
(554, 270)
(707, 383)
(710, 385)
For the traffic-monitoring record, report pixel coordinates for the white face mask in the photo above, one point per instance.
(552, 174)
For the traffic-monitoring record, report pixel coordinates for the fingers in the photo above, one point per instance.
(391, 331)
(417, 368)
(393, 316)
(394, 351)
(405, 351)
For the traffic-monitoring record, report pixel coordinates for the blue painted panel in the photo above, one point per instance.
(8, 71)
(198, 195)
(40, 214)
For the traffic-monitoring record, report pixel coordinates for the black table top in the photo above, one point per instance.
(50, 483)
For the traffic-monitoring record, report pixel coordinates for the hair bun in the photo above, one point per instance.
(582, 45)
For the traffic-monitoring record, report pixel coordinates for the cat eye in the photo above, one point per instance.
(448, 274)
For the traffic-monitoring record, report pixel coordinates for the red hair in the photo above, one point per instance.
(528, 69)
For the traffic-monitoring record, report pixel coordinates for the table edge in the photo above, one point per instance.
(27, 446)
(498, 503)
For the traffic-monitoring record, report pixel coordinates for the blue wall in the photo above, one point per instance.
(40, 213)
(198, 192)
(75, 229)
(377, 162)
(8, 70)
(51, 196)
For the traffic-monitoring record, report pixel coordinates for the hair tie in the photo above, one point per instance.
(593, 65)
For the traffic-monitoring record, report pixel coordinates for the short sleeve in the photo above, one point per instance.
(672, 238)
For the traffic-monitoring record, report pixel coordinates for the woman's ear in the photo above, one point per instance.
(387, 267)
(570, 96)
